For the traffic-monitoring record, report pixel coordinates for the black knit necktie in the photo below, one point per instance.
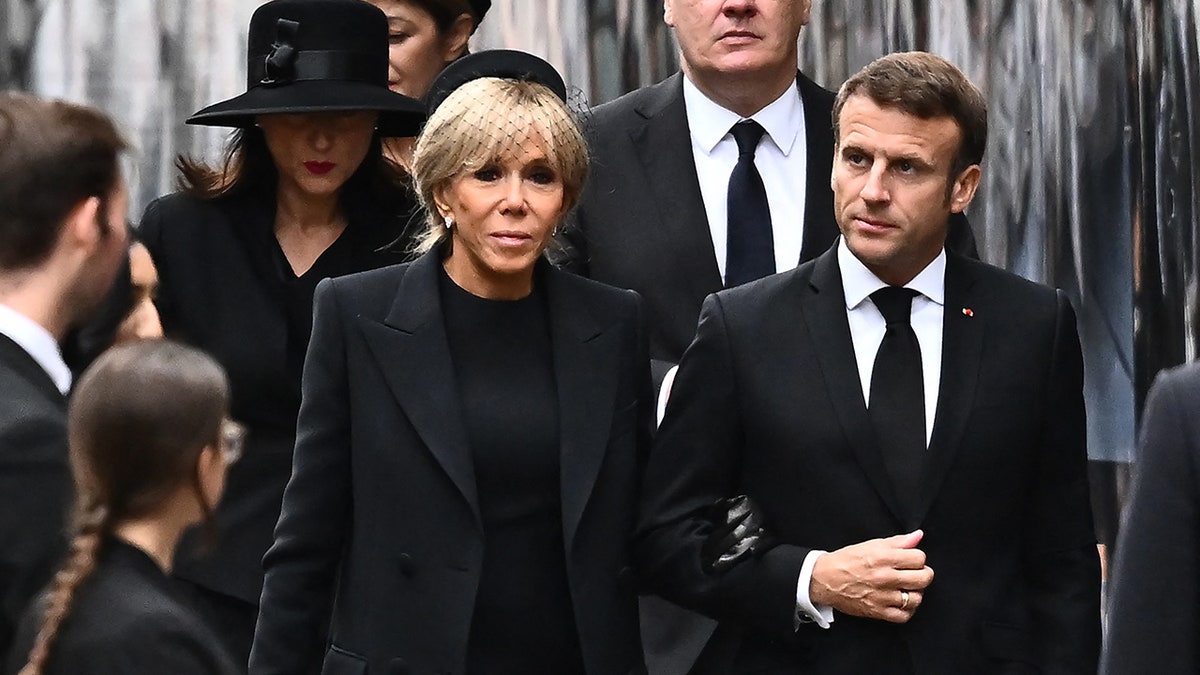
(897, 405)
(750, 250)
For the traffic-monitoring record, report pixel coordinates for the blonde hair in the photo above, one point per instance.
(485, 120)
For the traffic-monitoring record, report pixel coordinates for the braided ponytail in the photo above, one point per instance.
(137, 424)
(91, 526)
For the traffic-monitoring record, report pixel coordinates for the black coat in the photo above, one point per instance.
(35, 479)
(768, 402)
(125, 620)
(224, 287)
(382, 510)
(1154, 610)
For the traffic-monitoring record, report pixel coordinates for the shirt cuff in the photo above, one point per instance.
(664, 392)
(806, 611)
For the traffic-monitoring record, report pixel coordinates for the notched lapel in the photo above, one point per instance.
(586, 373)
(962, 351)
(825, 319)
(413, 355)
(664, 149)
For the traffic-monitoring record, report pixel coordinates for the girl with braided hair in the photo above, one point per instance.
(149, 446)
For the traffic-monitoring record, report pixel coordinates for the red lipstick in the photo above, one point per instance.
(319, 168)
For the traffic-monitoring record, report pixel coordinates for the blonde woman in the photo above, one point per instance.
(472, 423)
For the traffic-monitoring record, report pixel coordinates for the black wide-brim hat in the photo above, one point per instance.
(508, 64)
(309, 56)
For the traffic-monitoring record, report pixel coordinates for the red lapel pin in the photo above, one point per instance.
(967, 312)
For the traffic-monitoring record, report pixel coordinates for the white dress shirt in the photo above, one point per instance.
(781, 159)
(867, 327)
(38, 343)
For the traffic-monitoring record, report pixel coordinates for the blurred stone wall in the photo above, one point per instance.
(1089, 178)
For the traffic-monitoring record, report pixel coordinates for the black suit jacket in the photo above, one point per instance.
(1154, 610)
(220, 289)
(382, 503)
(768, 403)
(641, 223)
(125, 620)
(35, 479)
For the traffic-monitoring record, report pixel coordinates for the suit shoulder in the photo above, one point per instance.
(177, 210)
(367, 287)
(627, 106)
(1182, 381)
(1009, 285)
(761, 294)
(595, 293)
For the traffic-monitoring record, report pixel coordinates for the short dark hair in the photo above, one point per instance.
(53, 156)
(445, 12)
(926, 86)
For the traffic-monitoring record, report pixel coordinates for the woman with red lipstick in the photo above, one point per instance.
(473, 423)
(424, 36)
(304, 193)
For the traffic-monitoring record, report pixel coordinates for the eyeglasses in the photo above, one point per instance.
(233, 441)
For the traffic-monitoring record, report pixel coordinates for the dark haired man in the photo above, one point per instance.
(62, 240)
(676, 209)
(894, 410)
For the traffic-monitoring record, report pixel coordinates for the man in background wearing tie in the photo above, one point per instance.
(717, 175)
(62, 240)
(910, 423)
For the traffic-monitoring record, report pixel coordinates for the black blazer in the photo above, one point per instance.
(382, 504)
(35, 479)
(641, 223)
(125, 620)
(220, 290)
(767, 402)
(1154, 610)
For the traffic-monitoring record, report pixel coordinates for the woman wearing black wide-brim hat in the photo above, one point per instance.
(304, 193)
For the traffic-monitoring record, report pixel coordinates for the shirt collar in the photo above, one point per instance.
(859, 283)
(783, 118)
(38, 343)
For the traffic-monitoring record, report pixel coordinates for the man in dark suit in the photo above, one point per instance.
(1154, 611)
(947, 437)
(655, 218)
(62, 240)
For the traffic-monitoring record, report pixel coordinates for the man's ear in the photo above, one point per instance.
(82, 226)
(668, 13)
(806, 11)
(963, 190)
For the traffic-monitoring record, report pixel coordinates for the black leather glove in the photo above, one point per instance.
(737, 533)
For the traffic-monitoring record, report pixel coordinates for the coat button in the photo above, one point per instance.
(407, 567)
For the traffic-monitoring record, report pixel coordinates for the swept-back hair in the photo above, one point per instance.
(138, 420)
(53, 156)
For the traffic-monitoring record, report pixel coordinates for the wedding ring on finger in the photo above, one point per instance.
(903, 600)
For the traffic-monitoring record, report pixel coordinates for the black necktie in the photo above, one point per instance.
(897, 407)
(750, 251)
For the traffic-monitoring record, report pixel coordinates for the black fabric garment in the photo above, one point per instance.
(501, 351)
(897, 406)
(35, 479)
(750, 252)
(225, 287)
(126, 619)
